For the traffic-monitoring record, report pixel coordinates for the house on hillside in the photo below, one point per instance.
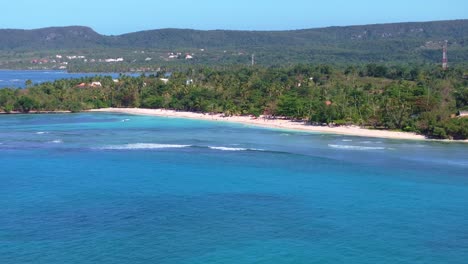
(96, 84)
(114, 60)
(462, 113)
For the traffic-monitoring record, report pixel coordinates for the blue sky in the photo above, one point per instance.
(118, 16)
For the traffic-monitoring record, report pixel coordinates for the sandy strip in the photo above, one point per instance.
(271, 123)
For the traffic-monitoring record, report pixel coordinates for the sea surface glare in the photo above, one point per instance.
(114, 188)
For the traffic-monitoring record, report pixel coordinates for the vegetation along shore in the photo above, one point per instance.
(417, 99)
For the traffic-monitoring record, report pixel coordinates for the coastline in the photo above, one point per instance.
(259, 122)
(273, 123)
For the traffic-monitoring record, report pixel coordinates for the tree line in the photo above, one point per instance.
(400, 97)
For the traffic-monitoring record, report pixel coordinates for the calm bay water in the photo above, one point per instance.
(17, 79)
(113, 188)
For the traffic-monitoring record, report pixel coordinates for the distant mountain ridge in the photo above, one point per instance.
(50, 38)
(363, 43)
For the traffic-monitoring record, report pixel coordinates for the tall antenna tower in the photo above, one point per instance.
(253, 59)
(444, 57)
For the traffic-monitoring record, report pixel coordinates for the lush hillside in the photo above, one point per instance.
(50, 38)
(167, 38)
(399, 42)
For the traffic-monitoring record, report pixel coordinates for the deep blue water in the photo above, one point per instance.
(17, 79)
(113, 188)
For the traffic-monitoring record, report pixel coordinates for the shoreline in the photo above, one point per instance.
(261, 121)
(273, 123)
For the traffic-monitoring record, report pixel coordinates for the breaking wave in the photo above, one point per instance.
(350, 147)
(41, 133)
(143, 146)
(234, 149)
(138, 146)
(56, 141)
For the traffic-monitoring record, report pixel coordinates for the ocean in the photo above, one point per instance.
(116, 188)
(18, 78)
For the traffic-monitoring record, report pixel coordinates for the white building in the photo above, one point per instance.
(114, 60)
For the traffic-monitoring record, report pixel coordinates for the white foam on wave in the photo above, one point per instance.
(41, 133)
(234, 149)
(351, 147)
(125, 120)
(228, 149)
(137, 146)
(347, 140)
(56, 141)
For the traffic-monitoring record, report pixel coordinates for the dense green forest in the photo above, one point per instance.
(382, 43)
(408, 98)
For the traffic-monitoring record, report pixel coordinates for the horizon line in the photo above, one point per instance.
(220, 29)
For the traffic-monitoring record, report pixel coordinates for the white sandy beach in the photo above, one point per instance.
(271, 123)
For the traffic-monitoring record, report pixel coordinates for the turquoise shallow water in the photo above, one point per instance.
(113, 188)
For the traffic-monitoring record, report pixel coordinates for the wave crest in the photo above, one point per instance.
(138, 146)
(228, 149)
(234, 149)
(351, 147)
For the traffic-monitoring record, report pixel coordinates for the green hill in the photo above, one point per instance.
(399, 42)
(50, 38)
